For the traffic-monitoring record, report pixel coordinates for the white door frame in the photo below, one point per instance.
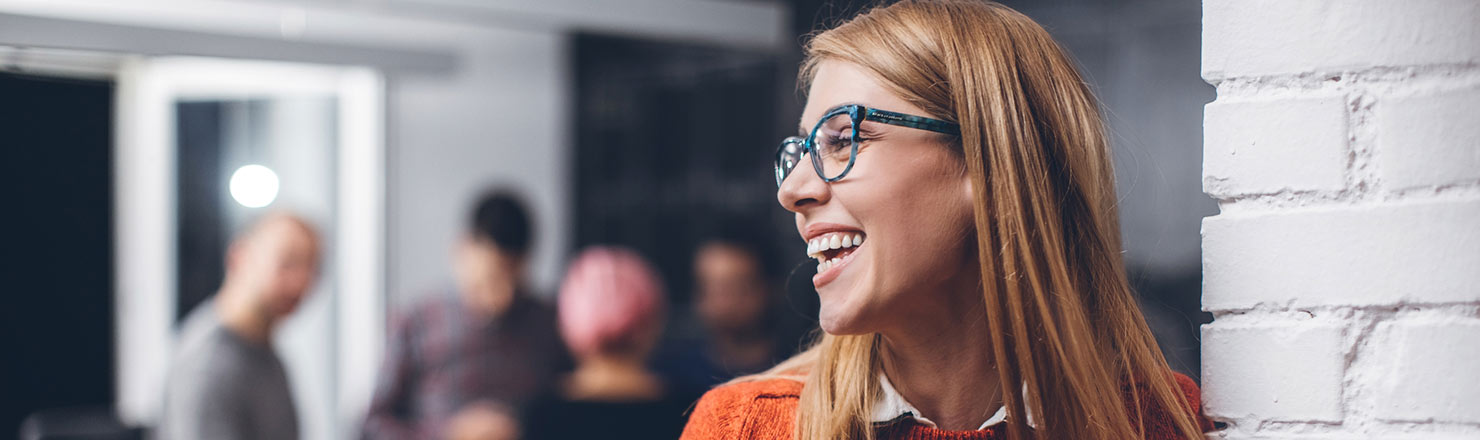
(145, 228)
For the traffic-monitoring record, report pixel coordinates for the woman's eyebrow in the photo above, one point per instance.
(802, 126)
(840, 106)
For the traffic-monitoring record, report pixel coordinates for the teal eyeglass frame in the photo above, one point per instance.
(797, 146)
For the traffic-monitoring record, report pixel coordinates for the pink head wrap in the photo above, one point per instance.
(608, 297)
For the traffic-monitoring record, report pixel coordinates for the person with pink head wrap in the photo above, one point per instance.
(610, 304)
(611, 308)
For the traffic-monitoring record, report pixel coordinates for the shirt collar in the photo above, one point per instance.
(891, 406)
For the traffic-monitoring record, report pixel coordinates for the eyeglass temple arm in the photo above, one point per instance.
(912, 121)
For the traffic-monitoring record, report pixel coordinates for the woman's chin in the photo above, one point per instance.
(841, 320)
(843, 305)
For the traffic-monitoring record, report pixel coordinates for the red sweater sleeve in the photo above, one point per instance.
(1157, 421)
(759, 409)
(1194, 400)
(714, 418)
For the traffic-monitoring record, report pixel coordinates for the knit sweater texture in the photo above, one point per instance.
(766, 409)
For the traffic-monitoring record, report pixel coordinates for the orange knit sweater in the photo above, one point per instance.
(767, 409)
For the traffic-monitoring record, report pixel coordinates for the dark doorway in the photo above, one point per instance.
(674, 145)
(669, 138)
(56, 321)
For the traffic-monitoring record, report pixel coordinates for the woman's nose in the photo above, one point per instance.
(801, 188)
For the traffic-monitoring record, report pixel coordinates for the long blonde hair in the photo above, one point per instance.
(1064, 323)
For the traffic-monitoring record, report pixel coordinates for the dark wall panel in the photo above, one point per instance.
(56, 291)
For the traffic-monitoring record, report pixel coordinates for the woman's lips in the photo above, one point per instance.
(833, 246)
(829, 270)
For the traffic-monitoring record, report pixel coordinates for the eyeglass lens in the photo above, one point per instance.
(787, 158)
(833, 142)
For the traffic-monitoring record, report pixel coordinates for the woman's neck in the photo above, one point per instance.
(944, 366)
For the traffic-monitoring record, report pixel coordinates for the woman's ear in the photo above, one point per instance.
(967, 188)
(969, 193)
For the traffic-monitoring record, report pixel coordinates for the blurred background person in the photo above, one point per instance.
(611, 307)
(739, 312)
(227, 382)
(462, 365)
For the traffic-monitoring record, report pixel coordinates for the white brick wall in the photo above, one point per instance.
(1430, 139)
(1268, 37)
(1303, 353)
(1371, 254)
(1425, 383)
(1274, 145)
(1343, 270)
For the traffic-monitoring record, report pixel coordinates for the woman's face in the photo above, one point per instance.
(907, 201)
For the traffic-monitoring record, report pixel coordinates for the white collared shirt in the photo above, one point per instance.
(891, 406)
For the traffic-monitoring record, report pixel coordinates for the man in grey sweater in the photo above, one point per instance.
(226, 381)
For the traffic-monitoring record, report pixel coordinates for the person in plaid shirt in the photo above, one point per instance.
(461, 365)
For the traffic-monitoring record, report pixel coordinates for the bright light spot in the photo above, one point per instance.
(254, 186)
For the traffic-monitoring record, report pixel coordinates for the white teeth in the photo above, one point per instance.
(817, 246)
(824, 265)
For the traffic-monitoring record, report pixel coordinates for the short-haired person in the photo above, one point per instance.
(611, 310)
(743, 327)
(226, 381)
(461, 365)
(733, 298)
(954, 181)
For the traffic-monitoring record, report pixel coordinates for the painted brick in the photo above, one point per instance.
(1431, 139)
(1367, 255)
(1265, 37)
(1260, 147)
(1409, 259)
(1286, 371)
(1427, 371)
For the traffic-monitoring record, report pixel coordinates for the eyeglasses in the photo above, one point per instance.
(833, 143)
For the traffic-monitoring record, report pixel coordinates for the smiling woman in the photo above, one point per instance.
(962, 210)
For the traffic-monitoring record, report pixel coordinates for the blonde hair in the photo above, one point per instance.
(1064, 324)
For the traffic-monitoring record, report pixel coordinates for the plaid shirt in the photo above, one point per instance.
(441, 356)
